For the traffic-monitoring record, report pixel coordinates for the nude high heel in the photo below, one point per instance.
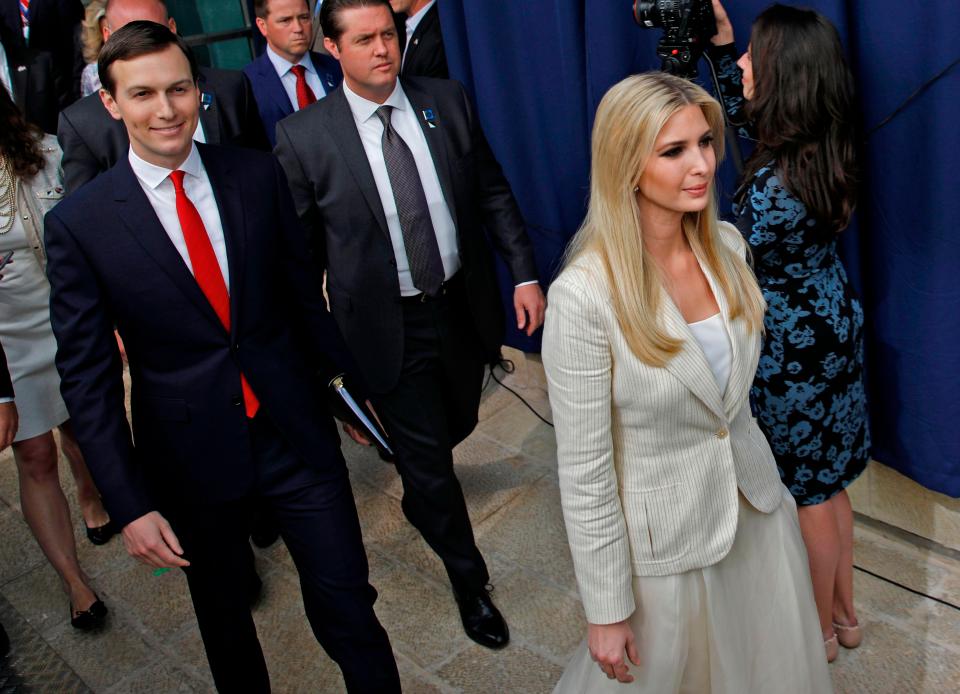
(832, 648)
(848, 636)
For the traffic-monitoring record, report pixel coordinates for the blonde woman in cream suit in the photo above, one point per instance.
(686, 546)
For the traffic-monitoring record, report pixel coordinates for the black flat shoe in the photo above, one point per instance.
(482, 620)
(101, 534)
(91, 618)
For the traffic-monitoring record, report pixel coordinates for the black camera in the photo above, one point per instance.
(687, 27)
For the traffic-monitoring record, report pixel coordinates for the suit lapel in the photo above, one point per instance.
(209, 113)
(139, 219)
(737, 333)
(433, 130)
(274, 85)
(690, 364)
(343, 129)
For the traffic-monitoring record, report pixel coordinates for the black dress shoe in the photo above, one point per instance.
(481, 619)
(91, 618)
(101, 534)
(4, 642)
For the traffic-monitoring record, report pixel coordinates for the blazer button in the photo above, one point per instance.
(237, 400)
(722, 433)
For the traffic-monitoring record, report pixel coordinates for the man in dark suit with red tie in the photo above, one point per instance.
(288, 76)
(195, 254)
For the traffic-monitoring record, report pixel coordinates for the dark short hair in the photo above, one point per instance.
(261, 8)
(136, 39)
(330, 14)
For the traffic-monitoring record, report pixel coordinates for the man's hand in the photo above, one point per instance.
(607, 643)
(724, 33)
(151, 540)
(9, 423)
(529, 303)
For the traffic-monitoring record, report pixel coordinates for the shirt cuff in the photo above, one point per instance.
(4, 400)
(524, 284)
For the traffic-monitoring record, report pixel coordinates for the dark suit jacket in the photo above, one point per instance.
(92, 141)
(32, 78)
(111, 263)
(337, 199)
(6, 385)
(272, 99)
(426, 57)
(54, 26)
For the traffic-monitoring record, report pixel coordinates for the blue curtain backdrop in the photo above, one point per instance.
(538, 68)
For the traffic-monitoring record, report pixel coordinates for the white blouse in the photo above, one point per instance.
(711, 333)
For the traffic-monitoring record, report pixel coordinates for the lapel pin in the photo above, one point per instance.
(206, 100)
(429, 117)
(21, 68)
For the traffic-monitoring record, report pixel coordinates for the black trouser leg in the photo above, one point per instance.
(435, 390)
(215, 543)
(318, 521)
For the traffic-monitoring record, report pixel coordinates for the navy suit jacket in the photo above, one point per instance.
(110, 263)
(272, 99)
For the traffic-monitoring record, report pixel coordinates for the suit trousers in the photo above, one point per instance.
(318, 522)
(433, 406)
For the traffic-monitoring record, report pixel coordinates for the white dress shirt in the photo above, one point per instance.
(156, 183)
(289, 80)
(413, 22)
(404, 121)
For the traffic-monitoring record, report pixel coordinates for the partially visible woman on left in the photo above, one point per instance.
(31, 184)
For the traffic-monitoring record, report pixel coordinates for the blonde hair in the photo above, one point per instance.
(628, 121)
(90, 33)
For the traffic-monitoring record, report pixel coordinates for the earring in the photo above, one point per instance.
(636, 189)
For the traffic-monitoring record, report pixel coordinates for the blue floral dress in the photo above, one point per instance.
(808, 392)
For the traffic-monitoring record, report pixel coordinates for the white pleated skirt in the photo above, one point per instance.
(746, 625)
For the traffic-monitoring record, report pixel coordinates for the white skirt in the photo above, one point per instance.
(746, 625)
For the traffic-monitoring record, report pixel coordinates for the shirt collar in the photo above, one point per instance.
(414, 20)
(152, 175)
(282, 65)
(364, 109)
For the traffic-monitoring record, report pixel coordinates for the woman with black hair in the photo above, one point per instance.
(792, 93)
(30, 185)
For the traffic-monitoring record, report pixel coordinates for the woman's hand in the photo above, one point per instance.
(607, 643)
(724, 33)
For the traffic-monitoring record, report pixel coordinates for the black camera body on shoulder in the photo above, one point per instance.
(687, 27)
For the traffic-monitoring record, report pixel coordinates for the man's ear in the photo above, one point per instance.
(172, 24)
(262, 26)
(331, 47)
(110, 104)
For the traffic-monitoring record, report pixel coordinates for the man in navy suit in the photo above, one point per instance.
(288, 76)
(194, 252)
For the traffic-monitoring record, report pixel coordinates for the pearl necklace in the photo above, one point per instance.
(8, 195)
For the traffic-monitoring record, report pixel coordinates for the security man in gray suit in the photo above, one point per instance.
(396, 183)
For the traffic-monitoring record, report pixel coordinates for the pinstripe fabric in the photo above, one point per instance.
(650, 459)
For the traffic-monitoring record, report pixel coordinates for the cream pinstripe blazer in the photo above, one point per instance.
(650, 459)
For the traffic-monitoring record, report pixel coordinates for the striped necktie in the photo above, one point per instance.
(25, 18)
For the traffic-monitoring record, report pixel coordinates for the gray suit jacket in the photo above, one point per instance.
(336, 197)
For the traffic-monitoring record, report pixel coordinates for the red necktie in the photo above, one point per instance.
(305, 95)
(206, 270)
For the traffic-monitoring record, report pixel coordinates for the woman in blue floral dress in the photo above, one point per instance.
(792, 94)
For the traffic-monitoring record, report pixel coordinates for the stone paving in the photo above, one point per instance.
(508, 471)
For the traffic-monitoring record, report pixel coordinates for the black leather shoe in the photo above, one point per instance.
(101, 534)
(91, 618)
(481, 619)
(4, 642)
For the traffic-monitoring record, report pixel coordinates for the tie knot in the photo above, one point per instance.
(299, 70)
(177, 178)
(383, 113)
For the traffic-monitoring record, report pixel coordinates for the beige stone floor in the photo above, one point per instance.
(508, 472)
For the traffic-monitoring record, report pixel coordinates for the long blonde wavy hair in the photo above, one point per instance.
(629, 119)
